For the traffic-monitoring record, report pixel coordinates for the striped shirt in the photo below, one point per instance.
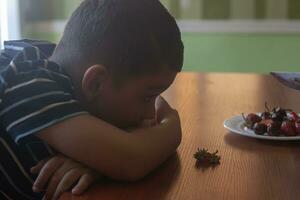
(35, 93)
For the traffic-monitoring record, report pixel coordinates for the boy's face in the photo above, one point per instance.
(134, 101)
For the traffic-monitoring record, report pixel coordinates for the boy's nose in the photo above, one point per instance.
(150, 111)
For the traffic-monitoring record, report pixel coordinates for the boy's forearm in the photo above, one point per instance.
(111, 151)
(146, 150)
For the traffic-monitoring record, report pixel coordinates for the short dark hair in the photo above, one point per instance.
(127, 36)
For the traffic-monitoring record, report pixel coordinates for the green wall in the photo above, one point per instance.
(259, 53)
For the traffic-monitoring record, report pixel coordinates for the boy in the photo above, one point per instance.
(102, 80)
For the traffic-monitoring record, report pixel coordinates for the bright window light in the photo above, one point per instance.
(9, 20)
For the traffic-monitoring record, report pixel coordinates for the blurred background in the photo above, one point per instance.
(219, 35)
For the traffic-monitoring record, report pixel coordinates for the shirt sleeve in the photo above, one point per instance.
(34, 99)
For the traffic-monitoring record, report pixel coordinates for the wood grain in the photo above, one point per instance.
(250, 168)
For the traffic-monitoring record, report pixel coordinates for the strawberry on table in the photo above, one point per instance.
(288, 128)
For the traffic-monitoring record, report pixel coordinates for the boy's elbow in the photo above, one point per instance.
(140, 167)
(136, 170)
(124, 170)
(136, 167)
(127, 173)
(135, 175)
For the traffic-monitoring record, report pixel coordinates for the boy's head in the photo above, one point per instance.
(120, 55)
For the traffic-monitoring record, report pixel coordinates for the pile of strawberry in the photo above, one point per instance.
(275, 122)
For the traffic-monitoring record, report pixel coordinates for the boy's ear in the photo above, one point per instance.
(94, 80)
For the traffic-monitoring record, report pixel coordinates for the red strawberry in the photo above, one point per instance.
(260, 128)
(251, 119)
(297, 126)
(274, 128)
(267, 122)
(265, 115)
(288, 128)
(294, 116)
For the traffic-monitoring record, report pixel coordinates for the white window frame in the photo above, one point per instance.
(240, 26)
(9, 20)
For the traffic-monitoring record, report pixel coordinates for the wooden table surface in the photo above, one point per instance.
(250, 168)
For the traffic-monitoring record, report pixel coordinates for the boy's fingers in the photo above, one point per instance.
(46, 172)
(37, 168)
(67, 182)
(162, 104)
(162, 108)
(56, 178)
(84, 182)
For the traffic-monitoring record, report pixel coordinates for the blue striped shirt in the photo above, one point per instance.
(35, 93)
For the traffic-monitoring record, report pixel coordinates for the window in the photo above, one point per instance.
(9, 20)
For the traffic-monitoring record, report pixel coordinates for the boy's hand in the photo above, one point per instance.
(164, 111)
(59, 174)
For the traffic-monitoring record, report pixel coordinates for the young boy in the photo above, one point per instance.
(90, 99)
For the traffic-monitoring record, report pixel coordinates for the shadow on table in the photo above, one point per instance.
(289, 148)
(205, 166)
(154, 186)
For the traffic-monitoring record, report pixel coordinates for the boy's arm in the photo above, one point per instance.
(112, 151)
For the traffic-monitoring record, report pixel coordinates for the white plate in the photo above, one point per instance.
(236, 125)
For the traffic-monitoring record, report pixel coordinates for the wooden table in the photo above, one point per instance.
(250, 168)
